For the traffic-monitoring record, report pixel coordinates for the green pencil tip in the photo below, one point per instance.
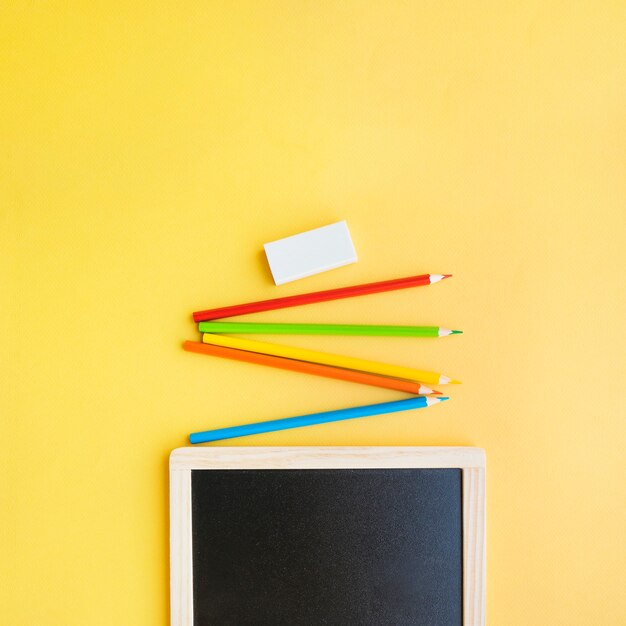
(457, 332)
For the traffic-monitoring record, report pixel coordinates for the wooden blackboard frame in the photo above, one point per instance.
(471, 461)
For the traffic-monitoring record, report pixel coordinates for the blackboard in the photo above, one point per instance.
(343, 546)
(336, 536)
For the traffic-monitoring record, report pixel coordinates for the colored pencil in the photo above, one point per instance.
(318, 296)
(325, 329)
(301, 354)
(310, 368)
(419, 402)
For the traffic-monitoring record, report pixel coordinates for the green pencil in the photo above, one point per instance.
(324, 329)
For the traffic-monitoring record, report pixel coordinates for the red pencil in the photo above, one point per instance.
(318, 296)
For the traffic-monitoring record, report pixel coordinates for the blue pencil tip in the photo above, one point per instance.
(443, 398)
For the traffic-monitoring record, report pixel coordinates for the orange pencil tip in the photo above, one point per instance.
(435, 393)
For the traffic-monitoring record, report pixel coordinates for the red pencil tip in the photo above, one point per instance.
(447, 275)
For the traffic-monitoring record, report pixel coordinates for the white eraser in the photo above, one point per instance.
(310, 253)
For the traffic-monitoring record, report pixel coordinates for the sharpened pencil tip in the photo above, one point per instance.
(430, 400)
(457, 332)
(435, 393)
(447, 275)
(455, 382)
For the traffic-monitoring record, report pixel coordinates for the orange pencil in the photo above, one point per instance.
(309, 368)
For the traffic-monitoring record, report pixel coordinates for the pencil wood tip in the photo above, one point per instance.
(431, 401)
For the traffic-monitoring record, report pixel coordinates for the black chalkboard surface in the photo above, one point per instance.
(327, 546)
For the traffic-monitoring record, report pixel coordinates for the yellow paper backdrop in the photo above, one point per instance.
(148, 149)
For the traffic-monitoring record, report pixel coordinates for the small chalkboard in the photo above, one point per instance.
(339, 536)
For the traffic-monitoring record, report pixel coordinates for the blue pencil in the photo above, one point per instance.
(418, 402)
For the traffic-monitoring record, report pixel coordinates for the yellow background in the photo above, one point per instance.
(148, 149)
